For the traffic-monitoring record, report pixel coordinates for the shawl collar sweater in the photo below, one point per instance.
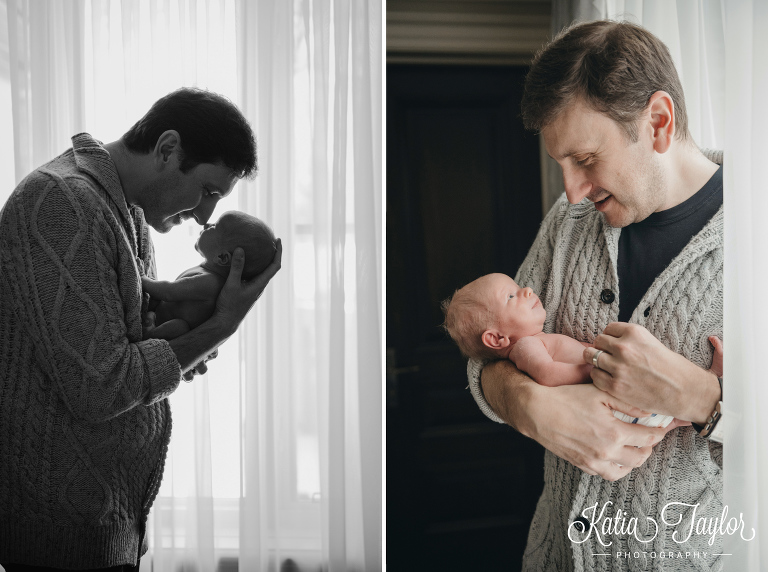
(84, 419)
(572, 261)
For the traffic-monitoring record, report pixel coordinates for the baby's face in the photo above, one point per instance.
(518, 310)
(211, 242)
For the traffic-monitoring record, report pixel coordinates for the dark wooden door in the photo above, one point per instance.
(463, 199)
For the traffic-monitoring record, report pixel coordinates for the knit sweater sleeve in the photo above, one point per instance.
(533, 272)
(68, 265)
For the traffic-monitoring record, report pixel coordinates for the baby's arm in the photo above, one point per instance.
(198, 287)
(531, 355)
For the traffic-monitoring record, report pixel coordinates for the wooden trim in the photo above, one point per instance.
(465, 31)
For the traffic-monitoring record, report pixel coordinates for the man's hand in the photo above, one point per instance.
(575, 422)
(148, 326)
(237, 297)
(201, 367)
(637, 368)
(233, 303)
(717, 356)
(148, 331)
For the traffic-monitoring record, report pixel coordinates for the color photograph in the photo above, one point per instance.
(572, 233)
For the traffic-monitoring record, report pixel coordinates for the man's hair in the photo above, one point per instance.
(211, 129)
(467, 316)
(614, 67)
(255, 237)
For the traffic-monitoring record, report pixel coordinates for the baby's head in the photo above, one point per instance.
(218, 241)
(487, 316)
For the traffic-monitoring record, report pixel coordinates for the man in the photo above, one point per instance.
(636, 269)
(84, 419)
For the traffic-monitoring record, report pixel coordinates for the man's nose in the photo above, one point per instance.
(576, 185)
(203, 211)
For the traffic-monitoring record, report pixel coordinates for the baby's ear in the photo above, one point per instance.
(494, 339)
(224, 258)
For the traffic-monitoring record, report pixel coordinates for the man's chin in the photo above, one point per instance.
(163, 227)
(618, 218)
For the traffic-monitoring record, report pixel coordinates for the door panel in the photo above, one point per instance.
(463, 199)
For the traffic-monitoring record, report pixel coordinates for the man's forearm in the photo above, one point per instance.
(575, 422)
(507, 390)
(196, 345)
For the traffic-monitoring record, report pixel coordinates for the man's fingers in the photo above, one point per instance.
(614, 472)
(675, 424)
(201, 368)
(276, 263)
(605, 361)
(236, 268)
(642, 437)
(616, 329)
(622, 406)
(634, 457)
(609, 470)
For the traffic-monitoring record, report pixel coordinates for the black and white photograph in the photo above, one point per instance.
(191, 285)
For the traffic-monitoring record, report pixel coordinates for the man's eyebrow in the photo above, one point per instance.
(571, 154)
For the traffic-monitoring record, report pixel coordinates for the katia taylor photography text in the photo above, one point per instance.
(603, 525)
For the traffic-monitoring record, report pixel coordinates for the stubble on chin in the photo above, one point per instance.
(642, 206)
(163, 226)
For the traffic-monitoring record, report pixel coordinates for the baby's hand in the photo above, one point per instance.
(717, 358)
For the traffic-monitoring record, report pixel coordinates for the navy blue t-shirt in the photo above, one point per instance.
(647, 247)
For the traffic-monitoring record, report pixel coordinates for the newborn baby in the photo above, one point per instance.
(190, 300)
(493, 318)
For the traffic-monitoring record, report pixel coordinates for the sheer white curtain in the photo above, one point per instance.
(746, 248)
(719, 48)
(275, 458)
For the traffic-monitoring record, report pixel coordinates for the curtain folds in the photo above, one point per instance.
(746, 311)
(275, 459)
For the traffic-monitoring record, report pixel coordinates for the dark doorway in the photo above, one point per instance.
(463, 199)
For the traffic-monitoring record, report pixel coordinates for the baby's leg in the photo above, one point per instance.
(170, 329)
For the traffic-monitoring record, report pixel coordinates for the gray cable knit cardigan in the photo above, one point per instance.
(571, 262)
(84, 419)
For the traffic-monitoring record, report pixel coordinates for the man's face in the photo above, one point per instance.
(176, 196)
(599, 162)
(518, 311)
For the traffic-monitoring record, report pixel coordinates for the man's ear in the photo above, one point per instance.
(662, 120)
(224, 258)
(168, 145)
(494, 339)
